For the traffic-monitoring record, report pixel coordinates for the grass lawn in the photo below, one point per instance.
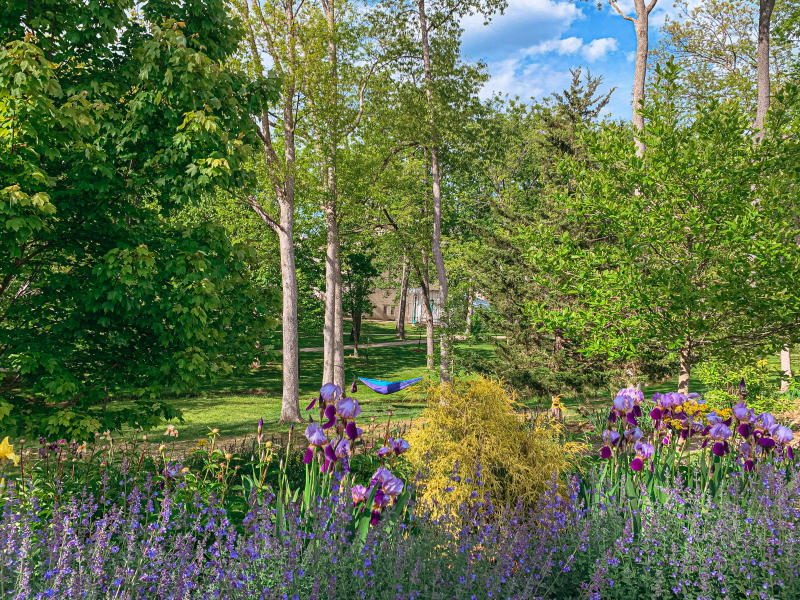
(234, 405)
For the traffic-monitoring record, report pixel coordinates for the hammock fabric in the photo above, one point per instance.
(387, 387)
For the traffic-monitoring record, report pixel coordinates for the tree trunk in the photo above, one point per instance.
(765, 8)
(786, 368)
(470, 312)
(333, 360)
(641, 25)
(685, 368)
(355, 332)
(401, 309)
(639, 77)
(290, 404)
(436, 247)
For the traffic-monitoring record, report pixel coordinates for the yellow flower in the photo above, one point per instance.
(202, 442)
(7, 452)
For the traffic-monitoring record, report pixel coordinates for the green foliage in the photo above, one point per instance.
(694, 252)
(471, 442)
(110, 120)
(762, 383)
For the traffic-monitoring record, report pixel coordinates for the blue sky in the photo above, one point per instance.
(530, 49)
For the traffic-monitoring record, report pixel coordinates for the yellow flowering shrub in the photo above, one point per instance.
(471, 424)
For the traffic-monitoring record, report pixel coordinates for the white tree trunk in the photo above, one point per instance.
(685, 371)
(786, 368)
(436, 246)
(641, 26)
(762, 73)
(290, 404)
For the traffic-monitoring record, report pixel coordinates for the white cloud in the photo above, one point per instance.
(597, 49)
(523, 24)
(562, 46)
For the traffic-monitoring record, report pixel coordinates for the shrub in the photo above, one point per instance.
(762, 381)
(471, 441)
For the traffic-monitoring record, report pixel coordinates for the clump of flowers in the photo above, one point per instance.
(683, 423)
(340, 412)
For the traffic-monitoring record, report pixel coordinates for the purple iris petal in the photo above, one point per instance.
(313, 402)
(644, 449)
(765, 420)
(705, 442)
(381, 476)
(330, 393)
(637, 410)
(718, 449)
(330, 413)
(656, 414)
(383, 451)
(359, 493)
(329, 453)
(375, 517)
(782, 434)
(637, 464)
(611, 437)
(381, 499)
(790, 452)
(348, 408)
(720, 431)
(766, 442)
(745, 430)
(399, 445)
(749, 465)
(394, 486)
(352, 431)
(631, 419)
(742, 412)
(309, 455)
(605, 452)
(612, 417)
(315, 435)
(343, 448)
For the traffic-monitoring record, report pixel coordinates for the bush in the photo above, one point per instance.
(762, 381)
(471, 442)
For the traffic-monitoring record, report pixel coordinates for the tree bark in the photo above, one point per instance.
(685, 356)
(641, 26)
(786, 368)
(765, 9)
(281, 175)
(436, 246)
(470, 312)
(422, 274)
(355, 332)
(401, 309)
(333, 346)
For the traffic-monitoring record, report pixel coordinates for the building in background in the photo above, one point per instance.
(386, 303)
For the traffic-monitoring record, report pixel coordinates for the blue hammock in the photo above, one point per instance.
(387, 387)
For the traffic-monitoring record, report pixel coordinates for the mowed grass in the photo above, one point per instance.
(234, 405)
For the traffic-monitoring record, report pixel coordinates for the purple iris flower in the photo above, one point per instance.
(637, 464)
(782, 434)
(766, 442)
(359, 493)
(348, 408)
(330, 414)
(330, 393)
(330, 454)
(720, 448)
(605, 452)
(742, 413)
(656, 414)
(393, 487)
(375, 517)
(399, 445)
(644, 450)
(352, 431)
(633, 435)
(713, 418)
(611, 437)
(381, 499)
(612, 417)
(316, 438)
(720, 431)
(623, 404)
(383, 451)
(631, 419)
(342, 448)
(354, 387)
(765, 421)
(745, 429)
(381, 476)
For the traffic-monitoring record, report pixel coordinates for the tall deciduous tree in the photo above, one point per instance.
(272, 29)
(641, 24)
(111, 120)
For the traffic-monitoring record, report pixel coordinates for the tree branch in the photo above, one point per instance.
(621, 14)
